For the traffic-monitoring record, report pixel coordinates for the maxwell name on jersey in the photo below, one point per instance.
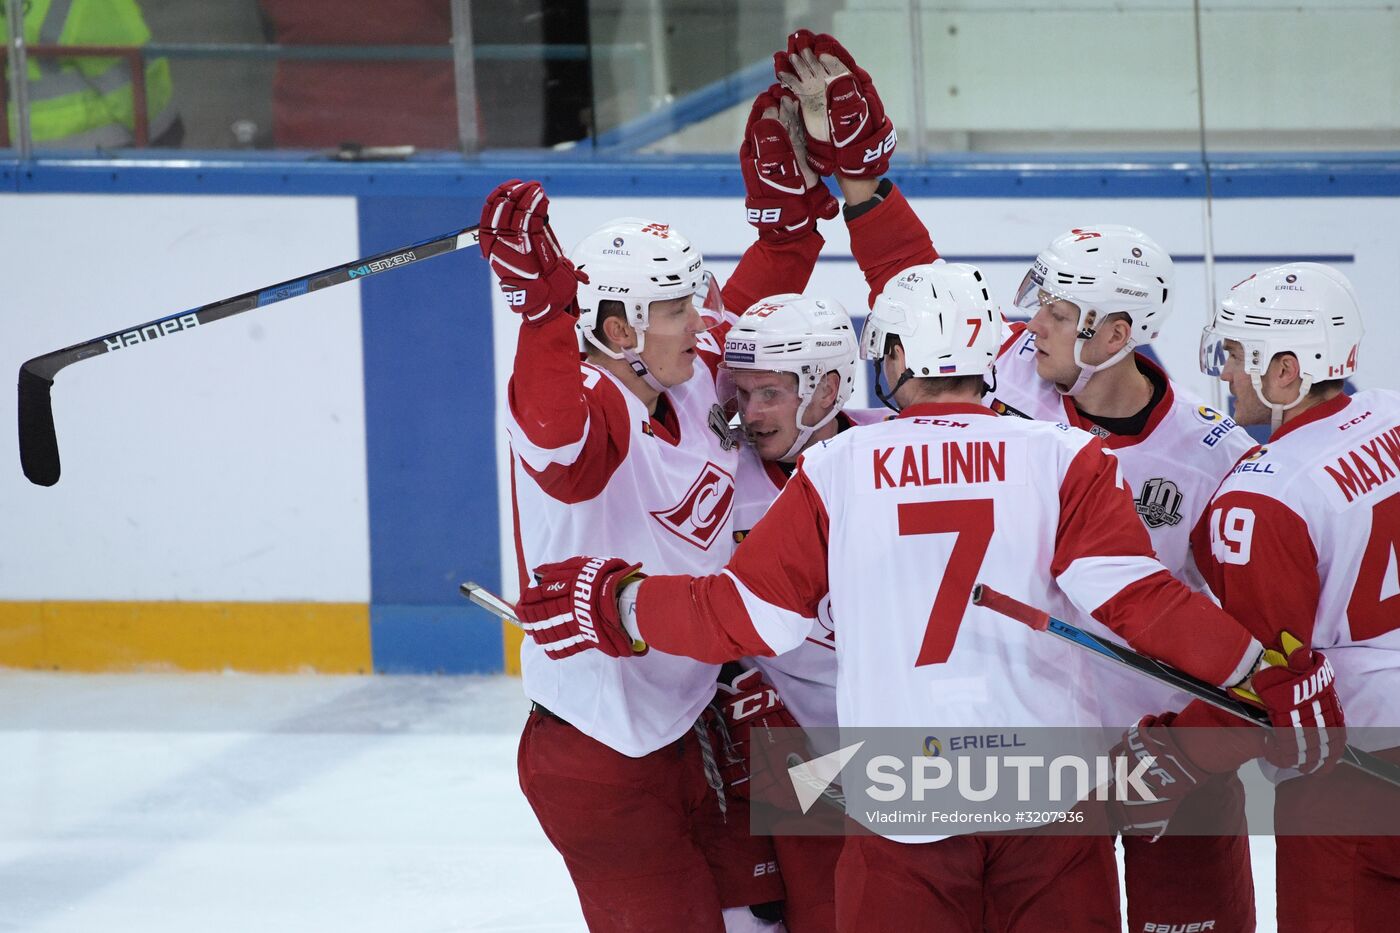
(1367, 465)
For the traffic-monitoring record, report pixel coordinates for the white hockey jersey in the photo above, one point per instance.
(611, 479)
(896, 522)
(1172, 468)
(804, 677)
(1304, 536)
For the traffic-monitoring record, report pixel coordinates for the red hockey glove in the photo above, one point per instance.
(859, 137)
(751, 709)
(1299, 691)
(1199, 742)
(1170, 778)
(783, 197)
(539, 281)
(573, 607)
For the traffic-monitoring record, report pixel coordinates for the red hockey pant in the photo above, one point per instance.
(1207, 881)
(643, 838)
(1338, 884)
(1006, 884)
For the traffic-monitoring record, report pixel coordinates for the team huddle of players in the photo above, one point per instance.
(815, 568)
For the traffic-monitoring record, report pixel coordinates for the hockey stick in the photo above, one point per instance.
(38, 442)
(492, 603)
(828, 792)
(1042, 621)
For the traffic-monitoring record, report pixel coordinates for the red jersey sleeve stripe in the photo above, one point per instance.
(888, 239)
(704, 618)
(771, 269)
(1013, 332)
(578, 471)
(546, 384)
(1097, 514)
(782, 561)
(765, 601)
(1267, 578)
(1100, 543)
(1162, 617)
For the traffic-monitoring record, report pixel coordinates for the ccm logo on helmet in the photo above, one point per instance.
(703, 509)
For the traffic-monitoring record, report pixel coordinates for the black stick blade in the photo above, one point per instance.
(38, 444)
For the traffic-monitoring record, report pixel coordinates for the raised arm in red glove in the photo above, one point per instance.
(783, 197)
(847, 128)
(538, 279)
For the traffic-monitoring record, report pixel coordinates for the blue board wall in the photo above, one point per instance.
(429, 422)
(429, 393)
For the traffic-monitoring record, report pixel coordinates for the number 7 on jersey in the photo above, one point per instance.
(971, 521)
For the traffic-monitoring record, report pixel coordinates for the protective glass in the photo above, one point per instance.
(1028, 295)
(1033, 293)
(1213, 354)
(709, 301)
(872, 340)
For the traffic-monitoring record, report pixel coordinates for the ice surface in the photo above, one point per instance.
(230, 803)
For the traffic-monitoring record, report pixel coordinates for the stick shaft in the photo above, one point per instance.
(489, 601)
(48, 365)
(38, 441)
(983, 595)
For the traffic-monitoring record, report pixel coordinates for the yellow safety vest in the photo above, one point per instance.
(85, 101)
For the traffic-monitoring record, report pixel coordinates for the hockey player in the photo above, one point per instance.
(1095, 295)
(791, 362)
(627, 451)
(1299, 543)
(861, 522)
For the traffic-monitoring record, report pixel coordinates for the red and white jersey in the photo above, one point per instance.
(896, 522)
(1172, 469)
(657, 491)
(804, 677)
(1304, 536)
(593, 473)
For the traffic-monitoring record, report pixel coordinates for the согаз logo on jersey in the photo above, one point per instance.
(1159, 503)
(703, 509)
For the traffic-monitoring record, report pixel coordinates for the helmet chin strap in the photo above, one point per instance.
(639, 369)
(887, 398)
(1087, 370)
(804, 432)
(632, 357)
(1275, 409)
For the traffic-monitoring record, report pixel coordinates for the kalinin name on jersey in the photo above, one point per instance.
(1354, 475)
(957, 462)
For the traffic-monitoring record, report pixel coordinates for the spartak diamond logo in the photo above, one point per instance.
(703, 509)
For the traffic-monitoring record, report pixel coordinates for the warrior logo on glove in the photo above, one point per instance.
(573, 607)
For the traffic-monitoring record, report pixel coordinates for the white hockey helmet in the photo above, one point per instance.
(945, 319)
(1304, 308)
(634, 262)
(1103, 270)
(808, 337)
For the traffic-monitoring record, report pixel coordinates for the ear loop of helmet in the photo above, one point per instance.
(805, 431)
(1087, 370)
(1276, 410)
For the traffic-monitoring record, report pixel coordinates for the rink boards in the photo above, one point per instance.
(303, 487)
